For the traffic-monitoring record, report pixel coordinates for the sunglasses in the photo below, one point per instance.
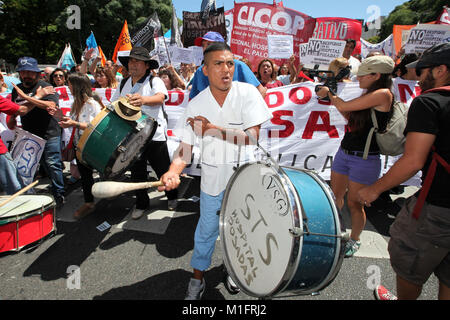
(58, 76)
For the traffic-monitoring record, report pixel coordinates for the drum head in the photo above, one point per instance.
(258, 211)
(24, 205)
(134, 145)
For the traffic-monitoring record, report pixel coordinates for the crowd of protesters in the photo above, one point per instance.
(352, 173)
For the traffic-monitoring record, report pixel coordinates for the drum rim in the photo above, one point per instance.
(28, 214)
(88, 131)
(107, 170)
(338, 256)
(297, 222)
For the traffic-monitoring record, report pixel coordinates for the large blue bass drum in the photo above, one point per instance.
(280, 231)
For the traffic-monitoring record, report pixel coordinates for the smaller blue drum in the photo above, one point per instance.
(280, 231)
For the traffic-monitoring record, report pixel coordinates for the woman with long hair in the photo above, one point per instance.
(267, 74)
(351, 171)
(104, 78)
(84, 110)
(171, 79)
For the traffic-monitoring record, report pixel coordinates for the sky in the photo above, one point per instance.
(354, 9)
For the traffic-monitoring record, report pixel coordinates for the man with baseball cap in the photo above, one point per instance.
(40, 122)
(242, 72)
(144, 91)
(420, 235)
(208, 38)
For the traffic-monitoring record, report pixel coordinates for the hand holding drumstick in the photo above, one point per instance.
(171, 180)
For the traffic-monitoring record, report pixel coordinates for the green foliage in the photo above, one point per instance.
(39, 28)
(412, 12)
(374, 39)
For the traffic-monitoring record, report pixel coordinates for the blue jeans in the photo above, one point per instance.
(53, 165)
(10, 178)
(207, 230)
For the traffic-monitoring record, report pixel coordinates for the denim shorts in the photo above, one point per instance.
(421, 247)
(356, 168)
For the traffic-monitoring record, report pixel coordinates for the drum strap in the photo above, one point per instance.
(436, 159)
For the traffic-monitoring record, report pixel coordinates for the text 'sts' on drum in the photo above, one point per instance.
(111, 144)
(24, 220)
(265, 219)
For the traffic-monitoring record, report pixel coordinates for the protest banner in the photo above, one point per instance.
(386, 47)
(229, 24)
(26, 153)
(424, 36)
(253, 22)
(182, 55)
(304, 132)
(194, 26)
(197, 54)
(401, 34)
(339, 29)
(405, 90)
(322, 52)
(280, 46)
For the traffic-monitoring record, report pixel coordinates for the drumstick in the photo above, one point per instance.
(18, 193)
(108, 189)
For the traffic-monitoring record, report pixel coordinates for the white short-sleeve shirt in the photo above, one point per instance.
(243, 108)
(89, 111)
(156, 112)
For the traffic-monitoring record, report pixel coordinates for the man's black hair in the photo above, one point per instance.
(353, 42)
(216, 46)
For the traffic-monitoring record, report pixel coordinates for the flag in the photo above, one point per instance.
(175, 37)
(67, 60)
(102, 56)
(206, 7)
(91, 43)
(144, 35)
(444, 18)
(123, 45)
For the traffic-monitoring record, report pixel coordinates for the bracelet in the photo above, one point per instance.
(78, 125)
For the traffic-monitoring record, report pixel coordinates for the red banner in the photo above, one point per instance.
(253, 21)
(339, 29)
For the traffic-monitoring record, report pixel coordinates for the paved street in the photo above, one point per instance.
(149, 258)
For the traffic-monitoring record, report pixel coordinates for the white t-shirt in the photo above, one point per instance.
(243, 108)
(89, 111)
(156, 112)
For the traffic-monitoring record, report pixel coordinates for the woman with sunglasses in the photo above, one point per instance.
(58, 77)
(352, 170)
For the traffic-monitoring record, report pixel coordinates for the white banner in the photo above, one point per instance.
(321, 52)
(303, 133)
(424, 36)
(386, 46)
(280, 46)
(26, 152)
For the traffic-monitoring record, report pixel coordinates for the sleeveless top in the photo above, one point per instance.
(356, 140)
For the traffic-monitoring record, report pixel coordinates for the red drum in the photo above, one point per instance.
(24, 220)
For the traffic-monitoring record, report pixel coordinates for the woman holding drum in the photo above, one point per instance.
(351, 170)
(84, 110)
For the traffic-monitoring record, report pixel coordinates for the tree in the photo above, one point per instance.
(39, 28)
(412, 12)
